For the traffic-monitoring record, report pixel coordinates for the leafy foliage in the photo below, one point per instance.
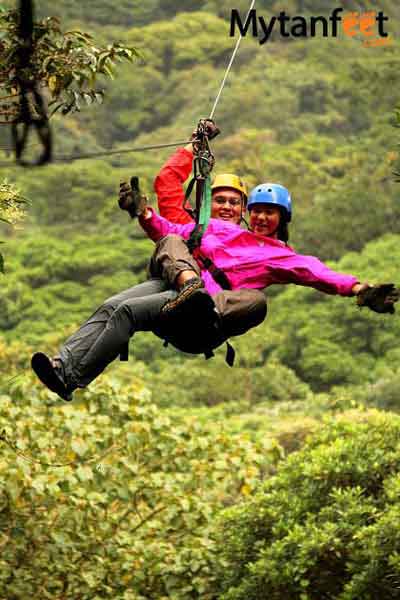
(325, 525)
(132, 511)
(11, 209)
(316, 115)
(396, 156)
(66, 64)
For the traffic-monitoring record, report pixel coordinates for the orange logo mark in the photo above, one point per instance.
(355, 23)
(364, 24)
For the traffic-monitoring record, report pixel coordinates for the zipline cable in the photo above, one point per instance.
(120, 151)
(230, 64)
(71, 158)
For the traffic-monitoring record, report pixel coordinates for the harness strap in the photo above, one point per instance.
(205, 203)
(216, 273)
(186, 203)
(124, 352)
(203, 211)
(229, 356)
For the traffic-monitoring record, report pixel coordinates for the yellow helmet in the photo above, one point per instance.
(230, 181)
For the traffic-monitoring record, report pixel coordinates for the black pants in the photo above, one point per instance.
(105, 334)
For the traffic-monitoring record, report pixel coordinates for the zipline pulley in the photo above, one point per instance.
(204, 159)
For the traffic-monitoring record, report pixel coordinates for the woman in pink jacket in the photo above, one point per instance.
(250, 259)
(259, 257)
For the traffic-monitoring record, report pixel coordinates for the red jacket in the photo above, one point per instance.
(168, 186)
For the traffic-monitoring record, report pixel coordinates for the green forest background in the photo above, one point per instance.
(317, 115)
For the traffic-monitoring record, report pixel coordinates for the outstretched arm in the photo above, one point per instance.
(308, 270)
(311, 272)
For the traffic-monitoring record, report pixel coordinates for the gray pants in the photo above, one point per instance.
(107, 331)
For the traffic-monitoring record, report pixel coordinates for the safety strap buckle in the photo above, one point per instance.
(230, 355)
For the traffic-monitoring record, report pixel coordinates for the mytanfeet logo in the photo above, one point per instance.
(370, 26)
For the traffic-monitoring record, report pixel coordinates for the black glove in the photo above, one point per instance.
(130, 198)
(379, 298)
(205, 127)
(211, 130)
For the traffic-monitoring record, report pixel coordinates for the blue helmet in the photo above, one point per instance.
(271, 193)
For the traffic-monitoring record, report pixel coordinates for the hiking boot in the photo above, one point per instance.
(51, 375)
(194, 326)
(189, 289)
(195, 315)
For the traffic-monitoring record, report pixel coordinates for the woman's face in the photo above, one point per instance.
(265, 219)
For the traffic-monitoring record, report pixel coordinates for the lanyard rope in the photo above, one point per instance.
(203, 212)
(205, 209)
(104, 153)
(120, 151)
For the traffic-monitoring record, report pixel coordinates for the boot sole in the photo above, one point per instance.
(182, 298)
(43, 368)
(198, 304)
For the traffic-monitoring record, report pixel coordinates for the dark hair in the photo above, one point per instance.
(283, 229)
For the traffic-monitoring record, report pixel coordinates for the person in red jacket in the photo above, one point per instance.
(229, 192)
(174, 273)
(239, 310)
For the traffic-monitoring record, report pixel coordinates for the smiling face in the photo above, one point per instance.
(265, 219)
(226, 204)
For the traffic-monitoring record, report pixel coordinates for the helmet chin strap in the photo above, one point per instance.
(242, 219)
(243, 211)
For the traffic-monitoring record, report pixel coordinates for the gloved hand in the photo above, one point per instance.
(205, 127)
(211, 129)
(379, 298)
(130, 198)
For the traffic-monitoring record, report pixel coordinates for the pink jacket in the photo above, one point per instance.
(253, 261)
